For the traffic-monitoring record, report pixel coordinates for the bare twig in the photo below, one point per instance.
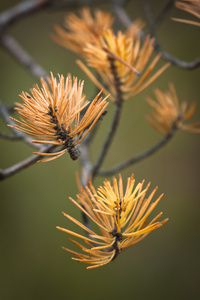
(115, 122)
(164, 12)
(122, 15)
(10, 137)
(25, 8)
(76, 3)
(139, 157)
(11, 45)
(5, 115)
(18, 134)
(85, 163)
(150, 20)
(85, 175)
(22, 56)
(20, 10)
(24, 164)
(176, 61)
(126, 21)
(165, 55)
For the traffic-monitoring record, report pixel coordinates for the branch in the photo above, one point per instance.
(122, 15)
(18, 134)
(109, 138)
(25, 8)
(149, 17)
(85, 163)
(85, 176)
(12, 46)
(77, 3)
(176, 61)
(126, 21)
(9, 137)
(20, 10)
(115, 122)
(23, 164)
(139, 157)
(153, 23)
(164, 12)
(5, 115)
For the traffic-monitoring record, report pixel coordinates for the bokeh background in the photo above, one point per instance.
(166, 264)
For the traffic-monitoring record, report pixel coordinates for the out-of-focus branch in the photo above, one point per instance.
(164, 12)
(137, 158)
(12, 46)
(24, 164)
(76, 3)
(5, 115)
(85, 163)
(9, 137)
(25, 8)
(154, 23)
(174, 60)
(122, 15)
(126, 21)
(20, 10)
(18, 134)
(149, 18)
(85, 175)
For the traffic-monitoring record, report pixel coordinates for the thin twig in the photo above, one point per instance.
(19, 135)
(88, 139)
(10, 137)
(85, 163)
(76, 3)
(25, 8)
(20, 10)
(116, 118)
(165, 55)
(85, 175)
(24, 164)
(149, 17)
(137, 158)
(20, 54)
(164, 12)
(176, 61)
(126, 21)
(122, 15)
(6, 117)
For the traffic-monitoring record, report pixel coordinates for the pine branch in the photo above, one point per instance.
(24, 164)
(126, 21)
(116, 118)
(18, 135)
(22, 57)
(137, 158)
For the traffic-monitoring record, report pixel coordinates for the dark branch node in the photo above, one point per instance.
(118, 237)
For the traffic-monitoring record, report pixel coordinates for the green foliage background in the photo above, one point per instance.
(165, 265)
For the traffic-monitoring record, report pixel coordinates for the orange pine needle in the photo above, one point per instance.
(121, 217)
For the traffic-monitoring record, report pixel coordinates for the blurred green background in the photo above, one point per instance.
(166, 264)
